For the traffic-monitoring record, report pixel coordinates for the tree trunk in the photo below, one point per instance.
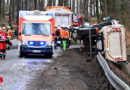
(73, 6)
(77, 6)
(91, 3)
(97, 10)
(54, 2)
(60, 2)
(10, 12)
(66, 3)
(42, 5)
(49, 3)
(86, 10)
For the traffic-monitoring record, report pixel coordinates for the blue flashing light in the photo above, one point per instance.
(36, 43)
(42, 43)
(31, 43)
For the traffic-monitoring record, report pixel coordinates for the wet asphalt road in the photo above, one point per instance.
(17, 72)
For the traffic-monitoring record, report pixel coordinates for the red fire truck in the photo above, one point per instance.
(77, 20)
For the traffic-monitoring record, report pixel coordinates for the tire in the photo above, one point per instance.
(21, 54)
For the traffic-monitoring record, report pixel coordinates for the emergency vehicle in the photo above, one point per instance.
(35, 33)
(63, 15)
(77, 20)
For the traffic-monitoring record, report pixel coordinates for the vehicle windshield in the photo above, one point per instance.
(30, 28)
(76, 20)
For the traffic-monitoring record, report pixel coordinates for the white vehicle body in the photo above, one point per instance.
(62, 17)
(114, 42)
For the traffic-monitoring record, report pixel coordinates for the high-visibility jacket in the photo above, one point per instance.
(70, 37)
(61, 33)
(66, 34)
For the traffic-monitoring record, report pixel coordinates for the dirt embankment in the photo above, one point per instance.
(71, 72)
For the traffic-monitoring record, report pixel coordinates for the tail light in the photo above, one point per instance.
(97, 30)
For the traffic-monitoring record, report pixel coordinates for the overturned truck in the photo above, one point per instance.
(107, 38)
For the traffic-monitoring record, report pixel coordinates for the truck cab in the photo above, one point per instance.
(35, 33)
(77, 20)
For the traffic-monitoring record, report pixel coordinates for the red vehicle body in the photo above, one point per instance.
(2, 44)
(3, 41)
(77, 20)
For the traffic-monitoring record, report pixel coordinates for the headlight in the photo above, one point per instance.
(24, 42)
(49, 43)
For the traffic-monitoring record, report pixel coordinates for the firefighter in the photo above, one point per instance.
(67, 37)
(62, 32)
(62, 35)
(70, 34)
(4, 36)
(57, 36)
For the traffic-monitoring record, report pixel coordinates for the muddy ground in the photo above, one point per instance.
(71, 71)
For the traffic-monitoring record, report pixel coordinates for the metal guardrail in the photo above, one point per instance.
(115, 81)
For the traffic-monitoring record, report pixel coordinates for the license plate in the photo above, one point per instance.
(58, 42)
(36, 51)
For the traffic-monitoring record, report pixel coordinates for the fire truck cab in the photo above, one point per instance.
(77, 20)
(35, 33)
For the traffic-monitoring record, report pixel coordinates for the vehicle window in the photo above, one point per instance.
(76, 20)
(36, 29)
